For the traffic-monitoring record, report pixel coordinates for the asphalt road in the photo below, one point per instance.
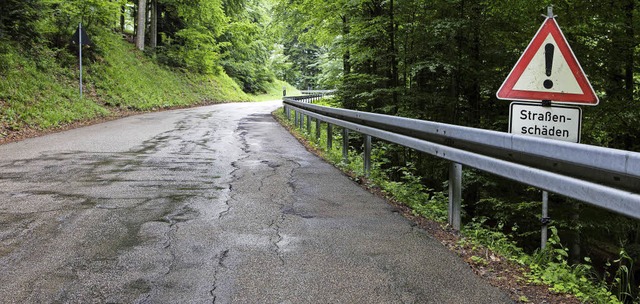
(216, 204)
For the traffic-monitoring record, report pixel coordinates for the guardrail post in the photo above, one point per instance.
(308, 124)
(317, 128)
(301, 121)
(329, 136)
(296, 117)
(287, 112)
(345, 145)
(367, 155)
(455, 195)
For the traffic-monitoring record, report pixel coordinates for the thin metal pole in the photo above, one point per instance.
(296, 117)
(317, 128)
(544, 219)
(80, 52)
(329, 136)
(308, 124)
(455, 195)
(345, 145)
(367, 155)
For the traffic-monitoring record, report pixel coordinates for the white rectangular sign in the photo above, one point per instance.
(554, 122)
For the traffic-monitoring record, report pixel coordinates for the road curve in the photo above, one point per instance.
(216, 204)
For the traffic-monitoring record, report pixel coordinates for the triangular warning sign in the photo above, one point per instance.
(548, 70)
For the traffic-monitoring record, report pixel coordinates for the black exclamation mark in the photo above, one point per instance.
(548, 59)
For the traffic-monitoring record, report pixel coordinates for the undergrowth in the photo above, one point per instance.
(549, 266)
(39, 93)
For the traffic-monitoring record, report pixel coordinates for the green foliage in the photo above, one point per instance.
(246, 56)
(303, 58)
(149, 86)
(280, 64)
(274, 91)
(196, 50)
(623, 278)
(18, 20)
(494, 240)
(311, 34)
(550, 267)
(209, 36)
(330, 71)
(39, 95)
(189, 39)
(479, 260)
(409, 190)
(201, 13)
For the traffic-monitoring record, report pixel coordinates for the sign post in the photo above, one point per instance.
(80, 37)
(547, 72)
(80, 54)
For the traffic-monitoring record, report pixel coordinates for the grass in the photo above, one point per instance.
(39, 95)
(39, 88)
(274, 91)
(128, 79)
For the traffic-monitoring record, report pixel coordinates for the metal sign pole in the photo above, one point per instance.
(544, 219)
(80, 53)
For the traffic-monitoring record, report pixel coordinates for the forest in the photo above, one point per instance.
(439, 60)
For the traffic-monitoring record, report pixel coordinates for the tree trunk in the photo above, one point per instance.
(393, 77)
(457, 77)
(476, 64)
(346, 56)
(123, 11)
(154, 24)
(142, 5)
(629, 49)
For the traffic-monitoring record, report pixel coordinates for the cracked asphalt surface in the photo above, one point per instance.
(215, 204)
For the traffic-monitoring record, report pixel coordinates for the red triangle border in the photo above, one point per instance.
(550, 26)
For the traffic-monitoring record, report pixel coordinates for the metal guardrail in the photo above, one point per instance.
(603, 177)
(317, 92)
(308, 98)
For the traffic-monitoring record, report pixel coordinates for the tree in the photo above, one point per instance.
(19, 18)
(153, 29)
(142, 17)
(189, 32)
